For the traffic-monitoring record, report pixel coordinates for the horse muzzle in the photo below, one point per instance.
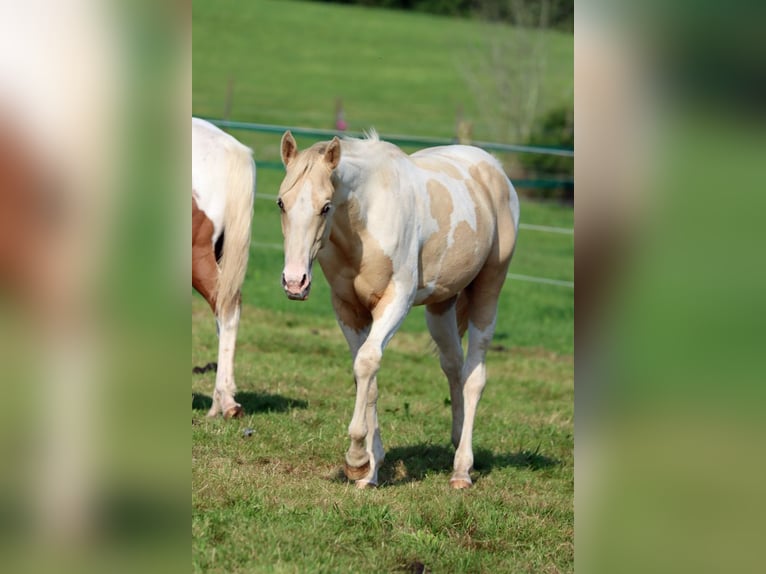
(296, 289)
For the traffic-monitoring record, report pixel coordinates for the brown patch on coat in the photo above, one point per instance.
(357, 268)
(204, 266)
(496, 186)
(493, 184)
(435, 247)
(33, 222)
(438, 165)
(451, 267)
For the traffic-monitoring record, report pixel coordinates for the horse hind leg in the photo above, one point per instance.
(482, 297)
(442, 323)
(225, 388)
(204, 278)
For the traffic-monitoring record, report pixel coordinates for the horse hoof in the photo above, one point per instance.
(365, 484)
(356, 472)
(234, 412)
(460, 483)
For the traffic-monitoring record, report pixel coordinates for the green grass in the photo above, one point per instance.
(275, 502)
(399, 72)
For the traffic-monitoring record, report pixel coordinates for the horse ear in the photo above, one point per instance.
(332, 153)
(289, 148)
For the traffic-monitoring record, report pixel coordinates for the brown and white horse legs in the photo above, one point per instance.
(204, 278)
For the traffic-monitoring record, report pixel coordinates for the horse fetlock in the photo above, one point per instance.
(357, 433)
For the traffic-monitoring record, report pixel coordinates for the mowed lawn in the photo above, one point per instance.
(401, 72)
(274, 500)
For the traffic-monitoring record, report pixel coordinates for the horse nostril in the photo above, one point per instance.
(303, 280)
(284, 281)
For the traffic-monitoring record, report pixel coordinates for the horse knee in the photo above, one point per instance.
(366, 365)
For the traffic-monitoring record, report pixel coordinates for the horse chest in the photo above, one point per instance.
(358, 274)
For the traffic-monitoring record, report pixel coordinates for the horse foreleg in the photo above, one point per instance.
(365, 453)
(359, 466)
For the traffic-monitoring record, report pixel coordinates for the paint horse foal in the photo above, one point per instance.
(223, 189)
(436, 228)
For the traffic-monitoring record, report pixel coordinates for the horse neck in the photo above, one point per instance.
(350, 180)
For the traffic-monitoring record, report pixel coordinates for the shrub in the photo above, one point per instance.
(556, 129)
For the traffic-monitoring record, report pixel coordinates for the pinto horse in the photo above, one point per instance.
(223, 189)
(435, 228)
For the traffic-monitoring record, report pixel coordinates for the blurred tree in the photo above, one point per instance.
(555, 129)
(561, 12)
(507, 76)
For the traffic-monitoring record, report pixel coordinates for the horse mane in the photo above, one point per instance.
(368, 135)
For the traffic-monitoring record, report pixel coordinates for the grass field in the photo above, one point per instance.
(275, 501)
(400, 72)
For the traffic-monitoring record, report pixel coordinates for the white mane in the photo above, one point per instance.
(369, 148)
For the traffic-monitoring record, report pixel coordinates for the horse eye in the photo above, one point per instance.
(325, 209)
(280, 204)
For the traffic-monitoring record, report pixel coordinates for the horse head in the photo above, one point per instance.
(305, 200)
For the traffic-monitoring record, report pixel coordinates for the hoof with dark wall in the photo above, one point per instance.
(460, 483)
(234, 412)
(356, 472)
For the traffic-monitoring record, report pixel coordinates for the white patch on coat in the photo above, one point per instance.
(209, 158)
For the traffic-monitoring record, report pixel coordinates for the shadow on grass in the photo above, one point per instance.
(253, 403)
(413, 463)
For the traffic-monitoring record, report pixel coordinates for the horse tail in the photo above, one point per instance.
(237, 219)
